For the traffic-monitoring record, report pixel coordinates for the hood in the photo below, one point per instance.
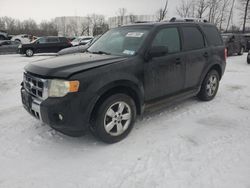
(65, 66)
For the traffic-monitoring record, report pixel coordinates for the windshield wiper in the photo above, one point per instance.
(100, 52)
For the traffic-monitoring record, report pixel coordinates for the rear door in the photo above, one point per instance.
(197, 54)
(165, 75)
(53, 44)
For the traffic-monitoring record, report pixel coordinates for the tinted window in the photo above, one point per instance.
(42, 40)
(63, 39)
(213, 36)
(193, 39)
(53, 40)
(169, 38)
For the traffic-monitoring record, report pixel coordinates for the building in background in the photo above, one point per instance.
(69, 26)
(129, 19)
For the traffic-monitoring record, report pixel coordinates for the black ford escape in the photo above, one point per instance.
(126, 71)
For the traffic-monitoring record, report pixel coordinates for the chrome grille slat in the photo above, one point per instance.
(35, 86)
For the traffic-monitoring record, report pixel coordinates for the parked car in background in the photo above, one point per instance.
(3, 35)
(235, 43)
(23, 38)
(8, 46)
(82, 40)
(247, 38)
(78, 49)
(44, 45)
(129, 69)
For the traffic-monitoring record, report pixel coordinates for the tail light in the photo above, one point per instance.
(225, 54)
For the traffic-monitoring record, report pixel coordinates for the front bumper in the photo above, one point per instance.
(63, 114)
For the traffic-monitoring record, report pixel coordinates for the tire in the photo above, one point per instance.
(29, 52)
(241, 51)
(209, 86)
(109, 123)
(17, 40)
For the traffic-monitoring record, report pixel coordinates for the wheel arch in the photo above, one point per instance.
(216, 67)
(122, 86)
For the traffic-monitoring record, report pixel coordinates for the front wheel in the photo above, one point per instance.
(29, 52)
(115, 118)
(209, 86)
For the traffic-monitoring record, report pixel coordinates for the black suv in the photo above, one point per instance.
(44, 45)
(235, 43)
(126, 71)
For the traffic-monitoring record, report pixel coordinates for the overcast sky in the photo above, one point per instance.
(47, 9)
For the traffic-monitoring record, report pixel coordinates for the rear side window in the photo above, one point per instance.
(168, 37)
(212, 35)
(193, 38)
(53, 40)
(63, 39)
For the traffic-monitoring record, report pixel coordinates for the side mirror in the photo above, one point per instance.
(157, 51)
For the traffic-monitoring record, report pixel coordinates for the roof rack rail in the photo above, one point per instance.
(174, 19)
(143, 22)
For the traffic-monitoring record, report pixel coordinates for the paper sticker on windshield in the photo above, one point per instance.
(135, 34)
(129, 52)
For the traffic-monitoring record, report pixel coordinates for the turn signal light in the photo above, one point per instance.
(74, 86)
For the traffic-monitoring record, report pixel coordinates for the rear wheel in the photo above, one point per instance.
(209, 86)
(29, 52)
(114, 118)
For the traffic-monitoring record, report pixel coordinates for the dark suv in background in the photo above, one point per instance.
(44, 45)
(128, 70)
(235, 43)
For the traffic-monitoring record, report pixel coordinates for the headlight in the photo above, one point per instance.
(20, 46)
(59, 88)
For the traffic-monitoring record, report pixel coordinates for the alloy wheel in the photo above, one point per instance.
(117, 118)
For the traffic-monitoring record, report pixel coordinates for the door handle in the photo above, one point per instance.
(205, 54)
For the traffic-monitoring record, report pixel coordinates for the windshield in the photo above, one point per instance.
(120, 41)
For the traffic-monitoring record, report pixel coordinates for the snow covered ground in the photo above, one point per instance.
(190, 145)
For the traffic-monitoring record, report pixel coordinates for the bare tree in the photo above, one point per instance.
(201, 7)
(121, 15)
(132, 18)
(223, 12)
(230, 14)
(185, 8)
(246, 9)
(162, 12)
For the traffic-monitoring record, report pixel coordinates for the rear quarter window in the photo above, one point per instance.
(63, 39)
(213, 36)
(192, 38)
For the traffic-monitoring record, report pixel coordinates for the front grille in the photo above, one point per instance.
(35, 86)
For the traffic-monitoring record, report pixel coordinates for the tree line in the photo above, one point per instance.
(219, 12)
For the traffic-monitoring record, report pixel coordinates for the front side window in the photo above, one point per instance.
(124, 41)
(42, 40)
(193, 38)
(168, 37)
